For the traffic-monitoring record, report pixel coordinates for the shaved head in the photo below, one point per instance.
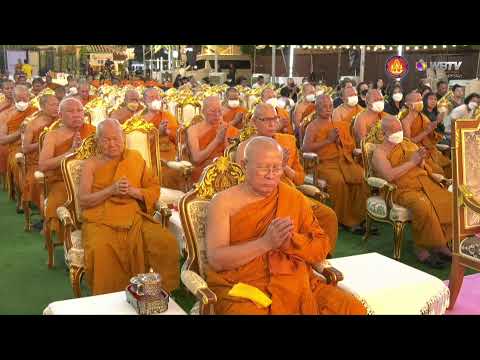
(261, 109)
(390, 125)
(66, 101)
(109, 124)
(373, 95)
(413, 96)
(267, 93)
(110, 138)
(258, 145)
(211, 101)
(348, 91)
(265, 119)
(20, 91)
(324, 106)
(131, 94)
(308, 89)
(212, 110)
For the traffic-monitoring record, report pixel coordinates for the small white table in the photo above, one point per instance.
(389, 287)
(107, 304)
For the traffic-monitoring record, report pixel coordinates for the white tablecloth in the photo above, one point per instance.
(108, 304)
(387, 286)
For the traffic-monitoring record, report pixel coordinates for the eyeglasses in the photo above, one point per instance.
(263, 171)
(271, 119)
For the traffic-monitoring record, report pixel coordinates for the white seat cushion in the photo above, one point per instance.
(170, 196)
(377, 207)
(320, 182)
(399, 213)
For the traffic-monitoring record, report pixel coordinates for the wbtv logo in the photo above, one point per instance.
(445, 65)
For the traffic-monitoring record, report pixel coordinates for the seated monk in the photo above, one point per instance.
(32, 191)
(117, 195)
(6, 107)
(370, 116)
(131, 105)
(233, 113)
(419, 129)
(208, 138)
(37, 87)
(84, 93)
(334, 145)
(268, 96)
(402, 162)
(263, 233)
(10, 129)
(49, 83)
(266, 121)
(167, 126)
(306, 106)
(60, 92)
(349, 108)
(57, 145)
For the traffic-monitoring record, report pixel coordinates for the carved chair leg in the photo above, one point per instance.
(368, 225)
(49, 245)
(76, 275)
(398, 230)
(457, 273)
(28, 215)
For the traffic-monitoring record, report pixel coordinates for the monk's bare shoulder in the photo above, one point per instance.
(227, 199)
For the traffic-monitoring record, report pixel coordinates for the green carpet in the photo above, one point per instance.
(28, 286)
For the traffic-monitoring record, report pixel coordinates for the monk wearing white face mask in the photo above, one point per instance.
(306, 106)
(131, 105)
(419, 129)
(233, 112)
(370, 116)
(419, 189)
(350, 108)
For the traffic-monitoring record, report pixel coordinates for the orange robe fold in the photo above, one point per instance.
(284, 274)
(326, 216)
(203, 142)
(13, 125)
(436, 160)
(230, 114)
(32, 191)
(346, 187)
(171, 178)
(429, 203)
(121, 238)
(57, 193)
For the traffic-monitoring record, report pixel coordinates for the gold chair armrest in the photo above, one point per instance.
(313, 192)
(331, 274)
(64, 216)
(163, 213)
(199, 288)
(39, 177)
(310, 156)
(467, 198)
(380, 183)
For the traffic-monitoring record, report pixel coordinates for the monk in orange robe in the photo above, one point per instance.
(367, 119)
(6, 107)
(32, 191)
(167, 126)
(118, 193)
(349, 108)
(208, 138)
(419, 189)
(10, 131)
(268, 96)
(84, 93)
(57, 145)
(418, 128)
(233, 113)
(131, 106)
(334, 145)
(263, 233)
(266, 121)
(306, 106)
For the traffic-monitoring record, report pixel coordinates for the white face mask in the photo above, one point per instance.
(378, 106)
(233, 103)
(272, 101)
(352, 100)
(156, 105)
(310, 97)
(281, 103)
(21, 105)
(472, 105)
(73, 91)
(396, 138)
(319, 92)
(397, 97)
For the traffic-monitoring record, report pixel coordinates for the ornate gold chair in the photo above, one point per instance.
(466, 202)
(218, 176)
(380, 206)
(40, 178)
(137, 134)
(186, 111)
(249, 131)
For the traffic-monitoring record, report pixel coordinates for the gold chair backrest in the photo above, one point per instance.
(304, 124)
(368, 148)
(246, 133)
(466, 189)
(183, 151)
(143, 136)
(55, 125)
(220, 175)
(71, 168)
(186, 112)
